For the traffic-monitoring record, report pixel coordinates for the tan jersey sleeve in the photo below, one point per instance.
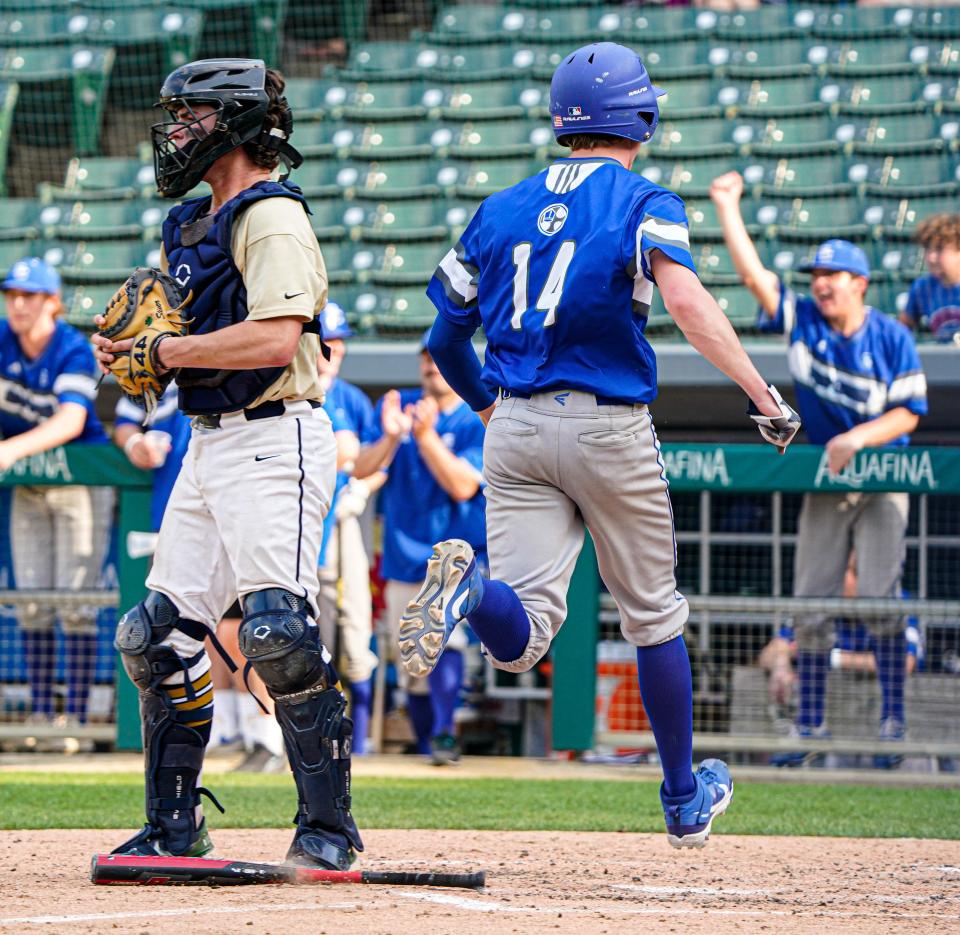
(278, 256)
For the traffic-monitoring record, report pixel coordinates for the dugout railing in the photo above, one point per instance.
(95, 466)
(736, 508)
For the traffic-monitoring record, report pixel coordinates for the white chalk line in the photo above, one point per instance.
(168, 913)
(669, 891)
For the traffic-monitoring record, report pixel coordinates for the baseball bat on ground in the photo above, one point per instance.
(201, 871)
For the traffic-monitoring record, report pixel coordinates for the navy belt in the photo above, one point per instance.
(601, 400)
(269, 410)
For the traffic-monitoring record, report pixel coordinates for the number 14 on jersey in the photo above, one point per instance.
(552, 290)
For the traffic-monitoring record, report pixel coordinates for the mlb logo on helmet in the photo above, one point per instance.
(574, 111)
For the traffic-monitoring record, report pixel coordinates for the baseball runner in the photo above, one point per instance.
(559, 270)
(58, 534)
(246, 513)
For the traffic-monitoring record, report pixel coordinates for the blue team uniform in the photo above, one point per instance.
(31, 391)
(845, 381)
(933, 305)
(417, 511)
(168, 418)
(511, 269)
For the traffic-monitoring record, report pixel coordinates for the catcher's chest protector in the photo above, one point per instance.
(199, 259)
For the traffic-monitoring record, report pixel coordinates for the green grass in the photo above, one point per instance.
(101, 800)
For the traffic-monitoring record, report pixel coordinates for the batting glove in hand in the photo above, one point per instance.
(778, 430)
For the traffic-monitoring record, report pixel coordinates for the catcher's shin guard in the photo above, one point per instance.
(284, 649)
(176, 727)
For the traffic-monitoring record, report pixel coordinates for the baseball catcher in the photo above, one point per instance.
(146, 308)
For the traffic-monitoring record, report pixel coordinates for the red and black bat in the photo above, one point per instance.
(114, 869)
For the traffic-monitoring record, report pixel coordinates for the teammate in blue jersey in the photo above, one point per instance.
(560, 271)
(933, 303)
(48, 382)
(346, 605)
(859, 384)
(430, 446)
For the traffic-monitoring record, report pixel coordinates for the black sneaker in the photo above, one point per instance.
(444, 750)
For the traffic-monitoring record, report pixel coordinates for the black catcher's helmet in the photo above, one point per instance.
(235, 88)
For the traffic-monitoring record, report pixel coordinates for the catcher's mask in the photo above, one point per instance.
(235, 89)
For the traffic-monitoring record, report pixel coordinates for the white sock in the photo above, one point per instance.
(226, 725)
(257, 727)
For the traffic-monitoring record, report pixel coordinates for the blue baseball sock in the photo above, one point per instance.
(360, 695)
(891, 655)
(812, 676)
(667, 691)
(80, 654)
(420, 709)
(500, 621)
(445, 681)
(38, 653)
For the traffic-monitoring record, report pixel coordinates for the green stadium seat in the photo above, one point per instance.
(785, 256)
(770, 210)
(797, 56)
(398, 61)
(312, 99)
(240, 28)
(408, 263)
(485, 61)
(889, 294)
(898, 256)
(106, 261)
(686, 175)
(782, 170)
(938, 22)
(808, 132)
(737, 303)
(488, 100)
(26, 27)
(394, 139)
(702, 219)
(888, 128)
(20, 219)
(399, 178)
(689, 96)
(780, 93)
(873, 93)
(324, 138)
(327, 219)
(864, 21)
(652, 20)
(328, 178)
(865, 55)
(108, 177)
(666, 59)
(483, 177)
(402, 311)
(765, 22)
(887, 166)
(456, 214)
(471, 21)
(346, 262)
(398, 220)
(713, 262)
(692, 135)
(85, 301)
(13, 250)
(513, 137)
(382, 100)
(9, 91)
(62, 94)
(108, 220)
(830, 216)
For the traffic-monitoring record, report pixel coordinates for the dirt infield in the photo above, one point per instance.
(537, 882)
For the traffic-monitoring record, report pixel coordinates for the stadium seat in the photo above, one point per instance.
(807, 133)
(870, 56)
(890, 166)
(482, 177)
(399, 178)
(398, 220)
(938, 22)
(785, 256)
(690, 136)
(241, 28)
(403, 311)
(702, 219)
(106, 261)
(782, 170)
(737, 303)
(714, 262)
(382, 100)
(830, 216)
(873, 93)
(345, 261)
(488, 100)
(9, 91)
(787, 93)
(886, 127)
(656, 20)
(20, 219)
(61, 96)
(769, 211)
(863, 21)
(408, 263)
(100, 220)
(394, 140)
(311, 99)
(327, 178)
(665, 59)
(515, 137)
(888, 294)
(687, 175)
(108, 177)
(766, 22)
(395, 60)
(323, 138)
(327, 219)
(899, 257)
(689, 97)
(456, 214)
(84, 301)
(475, 21)
(26, 27)
(795, 56)
(486, 61)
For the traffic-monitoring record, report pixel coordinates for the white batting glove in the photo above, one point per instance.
(778, 430)
(352, 500)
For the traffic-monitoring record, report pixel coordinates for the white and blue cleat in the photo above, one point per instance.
(452, 589)
(689, 823)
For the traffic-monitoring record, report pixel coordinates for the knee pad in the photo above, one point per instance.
(139, 632)
(281, 645)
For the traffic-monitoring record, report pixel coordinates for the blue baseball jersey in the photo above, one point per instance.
(845, 381)
(417, 511)
(169, 419)
(31, 391)
(557, 271)
(345, 406)
(927, 297)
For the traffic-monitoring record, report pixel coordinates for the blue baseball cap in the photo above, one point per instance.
(425, 338)
(334, 321)
(839, 255)
(31, 274)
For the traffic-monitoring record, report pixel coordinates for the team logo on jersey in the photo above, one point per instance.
(552, 218)
(182, 274)
(866, 360)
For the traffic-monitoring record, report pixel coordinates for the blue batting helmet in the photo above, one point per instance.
(604, 88)
(333, 320)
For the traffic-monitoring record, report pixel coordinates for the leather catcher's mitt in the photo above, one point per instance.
(147, 308)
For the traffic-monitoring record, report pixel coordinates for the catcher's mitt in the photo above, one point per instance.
(147, 308)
